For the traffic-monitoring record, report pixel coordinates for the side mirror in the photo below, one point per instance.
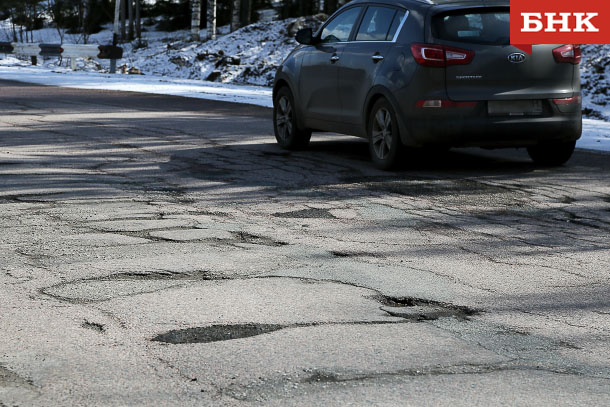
(305, 36)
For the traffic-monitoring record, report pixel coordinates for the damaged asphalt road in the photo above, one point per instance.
(161, 250)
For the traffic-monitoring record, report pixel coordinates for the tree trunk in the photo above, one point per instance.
(138, 20)
(331, 6)
(195, 20)
(117, 24)
(130, 35)
(246, 12)
(235, 20)
(123, 20)
(211, 19)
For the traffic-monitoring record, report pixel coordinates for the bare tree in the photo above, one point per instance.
(195, 20)
(130, 34)
(123, 18)
(236, 14)
(211, 19)
(138, 20)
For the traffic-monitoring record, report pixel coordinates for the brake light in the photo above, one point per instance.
(438, 103)
(570, 53)
(441, 56)
(568, 101)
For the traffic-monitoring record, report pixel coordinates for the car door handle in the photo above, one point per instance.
(377, 58)
(334, 58)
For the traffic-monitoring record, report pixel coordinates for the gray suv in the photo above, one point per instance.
(429, 73)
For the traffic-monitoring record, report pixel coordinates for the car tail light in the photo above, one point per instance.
(568, 101)
(570, 53)
(442, 103)
(440, 55)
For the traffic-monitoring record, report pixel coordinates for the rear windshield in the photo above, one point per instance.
(473, 26)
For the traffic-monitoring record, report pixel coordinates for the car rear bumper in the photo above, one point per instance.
(492, 132)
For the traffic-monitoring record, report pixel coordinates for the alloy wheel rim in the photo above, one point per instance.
(382, 133)
(284, 118)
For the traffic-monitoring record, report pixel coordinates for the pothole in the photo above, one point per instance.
(215, 333)
(122, 285)
(312, 213)
(101, 328)
(353, 254)
(8, 378)
(415, 309)
(243, 237)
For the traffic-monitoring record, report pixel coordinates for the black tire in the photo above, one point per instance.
(287, 133)
(385, 146)
(552, 154)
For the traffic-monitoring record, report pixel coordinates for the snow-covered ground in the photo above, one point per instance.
(226, 69)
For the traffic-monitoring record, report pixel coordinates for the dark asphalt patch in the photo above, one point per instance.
(313, 213)
(215, 333)
(457, 187)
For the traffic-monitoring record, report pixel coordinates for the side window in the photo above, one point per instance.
(340, 28)
(376, 24)
(400, 15)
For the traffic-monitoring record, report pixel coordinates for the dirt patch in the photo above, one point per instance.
(215, 333)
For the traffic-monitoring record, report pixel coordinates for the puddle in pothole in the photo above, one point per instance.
(215, 333)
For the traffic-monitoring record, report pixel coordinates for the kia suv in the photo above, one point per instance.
(429, 73)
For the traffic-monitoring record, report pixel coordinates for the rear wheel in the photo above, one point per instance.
(552, 154)
(384, 138)
(287, 132)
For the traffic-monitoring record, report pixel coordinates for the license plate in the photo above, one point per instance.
(515, 108)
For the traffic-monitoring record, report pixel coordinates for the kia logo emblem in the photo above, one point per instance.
(516, 58)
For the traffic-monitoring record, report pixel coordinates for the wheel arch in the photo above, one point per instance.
(284, 81)
(381, 92)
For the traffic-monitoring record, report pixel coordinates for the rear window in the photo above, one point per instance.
(475, 27)
(376, 24)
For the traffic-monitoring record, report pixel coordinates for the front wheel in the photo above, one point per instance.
(552, 154)
(385, 145)
(287, 132)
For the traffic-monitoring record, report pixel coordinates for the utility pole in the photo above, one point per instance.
(115, 32)
(195, 20)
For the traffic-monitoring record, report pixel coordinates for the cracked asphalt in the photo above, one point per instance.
(164, 251)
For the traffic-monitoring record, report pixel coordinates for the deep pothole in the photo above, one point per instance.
(415, 309)
(408, 309)
(215, 333)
